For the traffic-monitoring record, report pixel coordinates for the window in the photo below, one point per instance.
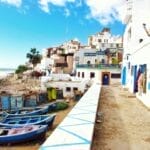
(105, 41)
(82, 74)
(111, 45)
(68, 89)
(121, 45)
(78, 74)
(129, 34)
(75, 89)
(103, 45)
(103, 61)
(99, 40)
(88, 63)
(92, 75)
(117, 45)
(115, 75)
(140, 40)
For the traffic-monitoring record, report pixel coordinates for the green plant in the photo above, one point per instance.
(61, 106)
(21, 69)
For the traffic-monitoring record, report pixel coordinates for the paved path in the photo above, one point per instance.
(126, 124)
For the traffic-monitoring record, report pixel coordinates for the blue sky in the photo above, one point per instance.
(25, 24)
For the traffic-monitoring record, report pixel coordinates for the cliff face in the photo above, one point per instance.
(19, 85)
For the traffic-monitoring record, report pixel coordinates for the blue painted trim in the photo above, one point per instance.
(80, 124)
(80, 119)
(76, 135)
(148, 85)
(60, 145)
(123, 76)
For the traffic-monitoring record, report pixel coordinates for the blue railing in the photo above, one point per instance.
(99, 66)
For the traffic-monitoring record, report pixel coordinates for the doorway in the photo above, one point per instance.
(105, 78)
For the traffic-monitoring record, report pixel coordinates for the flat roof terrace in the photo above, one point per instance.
(76, 130)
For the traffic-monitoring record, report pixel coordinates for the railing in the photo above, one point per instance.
(99, 66)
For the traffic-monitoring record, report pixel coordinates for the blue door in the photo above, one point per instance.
(105, 79)
(5, 102)
(123, 76)
(135, 79)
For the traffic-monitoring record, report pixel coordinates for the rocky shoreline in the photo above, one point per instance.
(19, 84)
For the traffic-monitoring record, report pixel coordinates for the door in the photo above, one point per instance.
(135, 79)
(123, 76)
(105, 79)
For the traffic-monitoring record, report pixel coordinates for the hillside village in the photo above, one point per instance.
(102, 48)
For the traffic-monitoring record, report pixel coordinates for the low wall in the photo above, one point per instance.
(76, 130)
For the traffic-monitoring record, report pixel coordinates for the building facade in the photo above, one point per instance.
(71, 46)
(59, 59)
(92, 64)
(136, 58)
(104, 40)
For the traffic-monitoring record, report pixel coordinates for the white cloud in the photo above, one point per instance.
(45, 7)
(16, 3)
(105, 11)
(67, 12)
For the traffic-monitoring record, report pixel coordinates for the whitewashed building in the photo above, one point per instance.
(92, 64)
(71, 46)
(136, 58)
(89, 56)
(104, 39)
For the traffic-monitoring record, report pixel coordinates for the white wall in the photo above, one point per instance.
(139, 52)
(98, 73)
(63, 84)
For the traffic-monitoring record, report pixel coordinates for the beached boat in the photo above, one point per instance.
(27, 112)
(27, 120)
(51, 106)
(22, 134)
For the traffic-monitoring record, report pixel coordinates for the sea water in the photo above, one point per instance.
(5, 72)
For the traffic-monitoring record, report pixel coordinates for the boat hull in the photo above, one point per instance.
(36, 111)
(24, 137)
(28, 120)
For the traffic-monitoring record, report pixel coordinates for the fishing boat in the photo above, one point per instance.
(27, 112)
(22, 134)
(27, 120)
(51, 106)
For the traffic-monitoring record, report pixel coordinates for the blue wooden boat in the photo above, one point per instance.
(51, 106)
(27, 112)
(27, 120)
(22, 134)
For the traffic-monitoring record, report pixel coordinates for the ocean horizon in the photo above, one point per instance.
(5, 71)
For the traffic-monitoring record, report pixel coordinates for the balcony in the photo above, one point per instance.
(99, 66)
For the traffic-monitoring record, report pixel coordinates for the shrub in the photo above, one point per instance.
(21, 69)
(61, 106)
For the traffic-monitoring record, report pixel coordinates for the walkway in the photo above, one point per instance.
(126, 124)
(76, 131)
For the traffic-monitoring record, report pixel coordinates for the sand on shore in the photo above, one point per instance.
(125, 123)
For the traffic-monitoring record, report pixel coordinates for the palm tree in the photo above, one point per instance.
(34, 56)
